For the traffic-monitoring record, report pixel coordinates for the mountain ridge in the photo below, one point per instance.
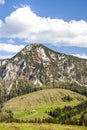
(39, 65)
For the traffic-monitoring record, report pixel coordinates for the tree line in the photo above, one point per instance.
(67, 114)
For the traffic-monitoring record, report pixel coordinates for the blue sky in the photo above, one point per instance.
(58, 24)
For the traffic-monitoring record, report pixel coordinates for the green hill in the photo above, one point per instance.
(35, 105)
(43, 98)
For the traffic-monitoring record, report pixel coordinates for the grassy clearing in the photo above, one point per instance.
(26, 115)
(30, 126)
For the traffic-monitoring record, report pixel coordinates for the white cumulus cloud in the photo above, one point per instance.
(11, 41)
(2, 1)
(23, 23)
(83, 56)
(11, 48)
(6, 56)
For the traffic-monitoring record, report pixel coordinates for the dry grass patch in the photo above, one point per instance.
(43, 98)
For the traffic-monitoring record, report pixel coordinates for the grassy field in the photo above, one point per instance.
(30, 126)
(35, 105)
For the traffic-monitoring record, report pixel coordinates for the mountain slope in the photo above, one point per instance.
(40, 65)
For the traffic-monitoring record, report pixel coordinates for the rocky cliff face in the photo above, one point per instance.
(40, 65)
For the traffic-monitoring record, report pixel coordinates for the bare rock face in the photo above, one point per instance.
(41, 65)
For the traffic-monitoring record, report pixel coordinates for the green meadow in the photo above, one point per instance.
(31, 126)
(38, 104)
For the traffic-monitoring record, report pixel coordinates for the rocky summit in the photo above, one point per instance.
(40, 65)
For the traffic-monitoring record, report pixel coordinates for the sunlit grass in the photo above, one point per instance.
(30, 126)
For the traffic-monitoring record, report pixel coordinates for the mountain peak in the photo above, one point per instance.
(35, 51)
(41, 65)
(39, 48)
(34, 45)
